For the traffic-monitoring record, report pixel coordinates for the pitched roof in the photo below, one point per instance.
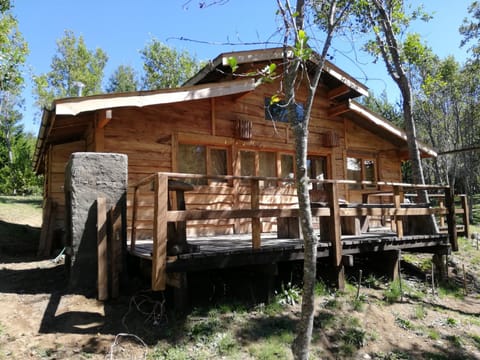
(332, 75)
(79, 105)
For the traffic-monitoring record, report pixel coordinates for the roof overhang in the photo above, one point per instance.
(277, 54)
(368, 119)
(74, 109)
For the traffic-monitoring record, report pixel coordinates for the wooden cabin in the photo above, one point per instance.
(223, 126)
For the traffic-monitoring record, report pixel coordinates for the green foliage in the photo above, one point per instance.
(13, 50)
(393, 293)
(166, 67)
(73, 66)
(288, 295)
(124, 79)
(456, 340)
(470, 29)
(269, 350)
(404, 323)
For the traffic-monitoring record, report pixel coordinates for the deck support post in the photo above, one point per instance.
(465, 215)
(398, 198)
(255, 205)
(440, 262)
(159, 251)
(179, 284)
(392, 261)
(451, 221)
(335, 234)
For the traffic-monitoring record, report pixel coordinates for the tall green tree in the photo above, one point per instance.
(124, 79)
(74, 70)
(329, 15)
(389, 22)
(165, 67)
(15, 157)
(470, 29)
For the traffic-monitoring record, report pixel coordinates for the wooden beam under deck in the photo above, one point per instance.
(236, 250)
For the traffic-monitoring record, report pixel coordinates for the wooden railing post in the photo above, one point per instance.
(398, 199)
(451, 221)
(159, 252)
(335, 233)
(466, 215)
(102, 254)
(133, 236)
(255, 205)
(441, 205)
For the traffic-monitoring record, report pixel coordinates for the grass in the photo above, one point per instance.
(21, 209)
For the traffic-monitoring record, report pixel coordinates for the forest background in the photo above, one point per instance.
(446, 89)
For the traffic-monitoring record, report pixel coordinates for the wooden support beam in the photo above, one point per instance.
(48, 227)
(335, 233)
(116, 251)
(451, 221)
(255, 205)
(338, 91)
(398, 199)
(392, 259)
(466, 215)
(103, 118)
(338, 109)
(133, 237)
(102, 249)
(159, 252)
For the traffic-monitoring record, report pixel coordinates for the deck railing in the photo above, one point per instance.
(330, 212)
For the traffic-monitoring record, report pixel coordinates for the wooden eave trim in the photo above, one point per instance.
(273, 54)
(338, 91)
(141, 99)
(338, 109)
(387, 126)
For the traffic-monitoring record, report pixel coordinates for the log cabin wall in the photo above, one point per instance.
(151, 138)
(235, 127)
(56, 158)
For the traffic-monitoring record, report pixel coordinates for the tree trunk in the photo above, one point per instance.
(300, 346)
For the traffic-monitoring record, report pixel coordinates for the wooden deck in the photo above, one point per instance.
(170, 218)
(236, 250)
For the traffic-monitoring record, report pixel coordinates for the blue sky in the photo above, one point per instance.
(121, 28)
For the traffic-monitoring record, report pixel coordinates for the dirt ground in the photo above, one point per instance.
(39, 319)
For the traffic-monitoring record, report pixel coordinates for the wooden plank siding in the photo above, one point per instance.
(150, 136)
(58, 156)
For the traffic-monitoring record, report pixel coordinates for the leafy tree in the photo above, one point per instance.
(329, 15)
(166, 67)
(15, 155)
(470, 29)
(389, 23)
(13, 51)
(124, 79)
(74, 66)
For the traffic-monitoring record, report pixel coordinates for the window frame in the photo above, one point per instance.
(208, 166)
(363, 158)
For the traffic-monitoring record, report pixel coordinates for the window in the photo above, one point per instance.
(201, 159)
(317, 169)
(361, 170)
(278, 111)
(264, 164)
(286, 165)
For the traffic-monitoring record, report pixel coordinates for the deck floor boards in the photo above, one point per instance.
(234, 250)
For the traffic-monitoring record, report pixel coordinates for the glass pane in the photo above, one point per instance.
(317, 169)
(218, 165)
(247, 163)
(267, 166)
(191, 160)
(369, 166)
(354, 172)
(287, 167)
